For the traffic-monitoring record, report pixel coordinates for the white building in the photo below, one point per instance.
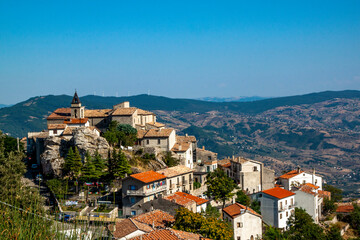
(277, 204)
(296, 178)
(184, 153)
(247, 223)
(178, 179)
(309, 198)
(161, 139)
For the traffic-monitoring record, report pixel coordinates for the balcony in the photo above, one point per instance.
(146, 192)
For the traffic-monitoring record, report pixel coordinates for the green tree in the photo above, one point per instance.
(111, 137)
(336, 193)
(169, 160)
(211, 227)
(219, 186)
(272, 233)
(242, 198)
(73, 165)
(334, 233)
(88, 171)
(118, 165)
(211, 211)
(255, 205)
(127, 134)
(302, 226)
(355, 218)
(329, 206)
(100, 166)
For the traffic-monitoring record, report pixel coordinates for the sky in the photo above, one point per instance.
(178, 49)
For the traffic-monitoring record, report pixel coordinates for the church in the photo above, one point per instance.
(62, 120)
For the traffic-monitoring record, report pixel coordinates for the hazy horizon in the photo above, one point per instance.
(179, 49)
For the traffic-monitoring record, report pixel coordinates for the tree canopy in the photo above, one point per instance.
(219, 186)
(210, 227)
(120, 134)
(118, 165)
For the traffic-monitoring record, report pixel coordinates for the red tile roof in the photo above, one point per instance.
(324, 194)
(175, 171)
(97, 112)
(186, 139)
(291, 174)
(56, 126)
(237, 209)
(148, 177)
(278, 192)
(345, 209)
(60, 113)
(124, 111)
(77, 121)
(168, 234)
(128, 226)
(156, 218)
(181, 147)
(188, 197)
(165, 132)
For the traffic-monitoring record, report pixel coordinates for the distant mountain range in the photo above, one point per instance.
(3, 105)
(231, 99)
(320, 130)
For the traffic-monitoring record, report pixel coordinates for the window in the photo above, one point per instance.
(304, 182)
(55, 131)
(287, 214)
(255, 169)
(132, 200)
(280, 215)
(281, 205)
(238, 238)
(105, 120)
(147, 141)
(158, 141)
(292, 201)
(239, 224)
(132, 187)
(209, 157)
(285, 202)
(133, 213)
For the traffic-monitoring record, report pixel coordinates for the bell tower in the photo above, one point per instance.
(77, 111)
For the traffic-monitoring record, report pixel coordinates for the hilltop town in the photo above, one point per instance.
(140, 179)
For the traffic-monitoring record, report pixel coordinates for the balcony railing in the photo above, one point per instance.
(146, 192)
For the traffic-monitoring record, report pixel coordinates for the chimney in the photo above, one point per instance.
(298, 169)
(313, 176)
(186, 135)
(203, 147)
(153, 225)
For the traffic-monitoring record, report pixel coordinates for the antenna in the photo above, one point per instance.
(117, 94)
(149, 92)
(103, 94)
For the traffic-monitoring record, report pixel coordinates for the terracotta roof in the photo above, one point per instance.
(155, 124)
(175, 171)
(324, 194)
(224, 162)
(148, 177)
(124, 111)
(204, 150)
(226, 165)
(312, 185)
(239, 160)
(181, 147)
(178, 199)
(198, 200)
(278, 192)
(77, 121)
(158, 218)
(60, 113)
(345, 209)
(210, 162)
(67, 131)
(128, 226)
(56, 126)
(144, 112)
(291, 174)
(308, 189)
(185, 138)
(141, 133)
(97, 113)
(165, 132)
(168, 234)
(236, 209)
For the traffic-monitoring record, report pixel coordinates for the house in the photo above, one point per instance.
(296, 178)
(161, 139)
(193, 203)
(276, 205)
(308, 198)
(250, 175)
(184, 152)
(205, 155)
(128, 228)
(246, 223)
(207, 166)
(225, 165)
(178, 179)
(157, 219)
(140, 188)
(199, 187)
(191, 140)
(101, 118)
(169, 234)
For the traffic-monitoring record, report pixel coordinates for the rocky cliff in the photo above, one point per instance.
(56, 148)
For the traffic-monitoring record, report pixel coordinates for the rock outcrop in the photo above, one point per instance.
(56, 148)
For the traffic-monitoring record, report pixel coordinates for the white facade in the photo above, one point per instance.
(300, 179)
(246, 225)
(186, 157)
(55, 132)
(276, 211)
(201, 207)
(310, 202)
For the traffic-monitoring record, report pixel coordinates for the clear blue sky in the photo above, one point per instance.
(186, 49)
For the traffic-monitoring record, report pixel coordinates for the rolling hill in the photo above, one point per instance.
(319, 130)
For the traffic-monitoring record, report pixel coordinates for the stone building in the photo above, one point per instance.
(251, 175)
(178, 179)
